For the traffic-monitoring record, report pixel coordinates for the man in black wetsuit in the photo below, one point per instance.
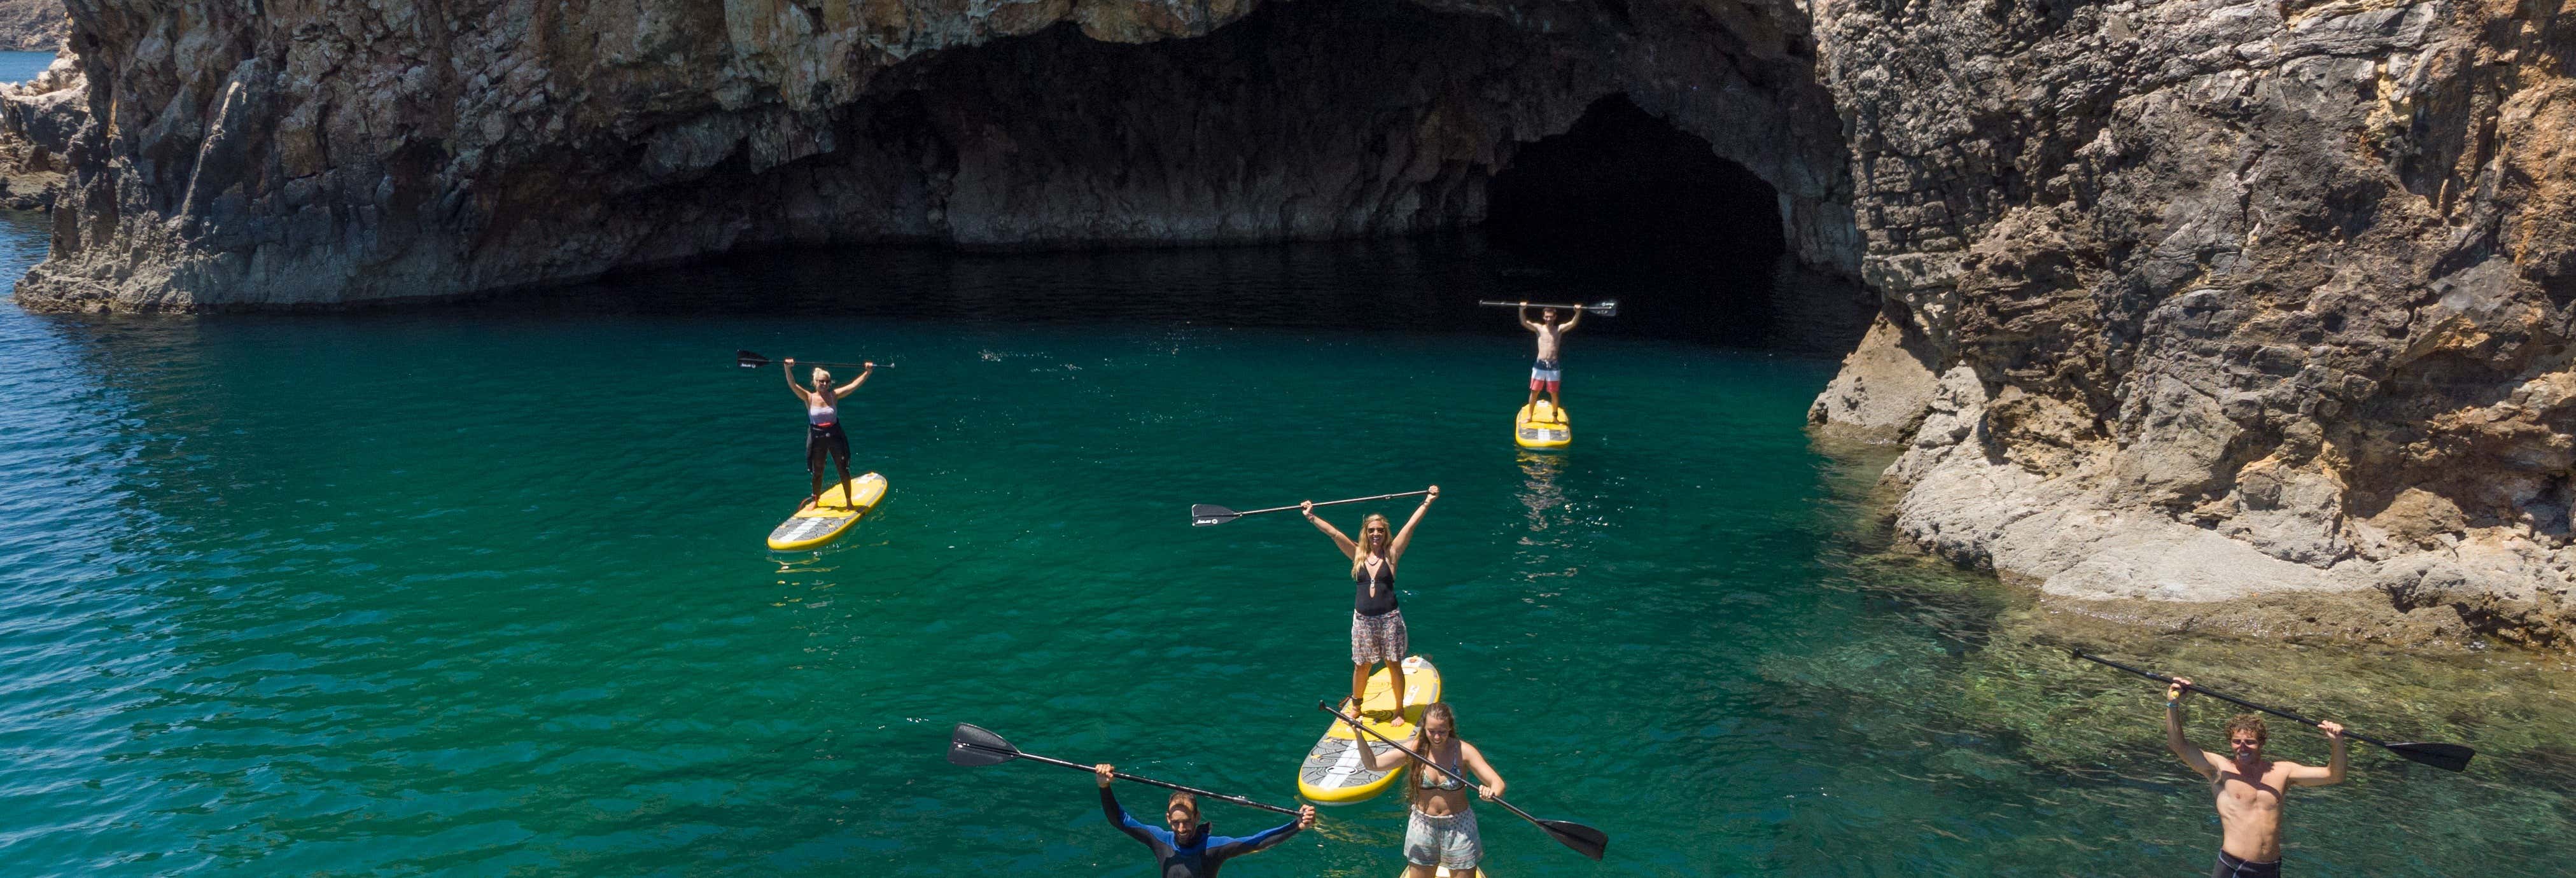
(1187, 849)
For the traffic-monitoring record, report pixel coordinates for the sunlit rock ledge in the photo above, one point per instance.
(2263, 325)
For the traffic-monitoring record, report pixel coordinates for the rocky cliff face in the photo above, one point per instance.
(326, 152)
(33, 25)
(37, 119)
(2211, 301)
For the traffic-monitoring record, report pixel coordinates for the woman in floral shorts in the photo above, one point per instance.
(1377, 626)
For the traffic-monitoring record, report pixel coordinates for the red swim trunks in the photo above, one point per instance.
(1544, 376)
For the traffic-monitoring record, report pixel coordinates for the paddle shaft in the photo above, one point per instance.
(1417, 757)
(842, 365)
(1543, 305)
(753, 360)
(2225, 697)
(1121, 775)
(1332, 503)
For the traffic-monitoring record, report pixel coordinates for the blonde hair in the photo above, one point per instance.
(1359, 547)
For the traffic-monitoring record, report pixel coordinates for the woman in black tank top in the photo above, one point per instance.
(1377, 627)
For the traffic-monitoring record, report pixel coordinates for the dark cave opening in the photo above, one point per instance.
(1303, 131)
(1622, 187)
(1692, 244)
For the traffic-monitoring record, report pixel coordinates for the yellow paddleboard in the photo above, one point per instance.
(1540, 425)
(829, 516)
(1331, 773)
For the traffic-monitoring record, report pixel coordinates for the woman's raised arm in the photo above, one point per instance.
(1339, 540)
(1403, 538)
(864, 370)
(787, 367)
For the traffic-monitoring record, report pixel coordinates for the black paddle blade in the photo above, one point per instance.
(749, 360)
(972, 745)
(1204, 514)
(1583, 839)
(2447, 757)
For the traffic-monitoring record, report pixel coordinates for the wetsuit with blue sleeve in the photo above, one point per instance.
(1202, 855)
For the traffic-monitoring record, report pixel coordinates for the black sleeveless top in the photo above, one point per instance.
(1374, 595)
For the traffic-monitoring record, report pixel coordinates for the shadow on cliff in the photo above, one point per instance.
(1620, 206)
(1424, 283)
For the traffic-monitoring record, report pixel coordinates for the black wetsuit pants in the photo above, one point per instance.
(826, 441)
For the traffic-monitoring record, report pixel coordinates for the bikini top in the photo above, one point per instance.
(821, 413)
(1438, 780)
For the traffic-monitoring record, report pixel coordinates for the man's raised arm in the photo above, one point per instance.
(2332, 773)
(2192, 756)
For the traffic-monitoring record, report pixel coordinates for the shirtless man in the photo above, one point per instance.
(1544, 374)
(2249, 787)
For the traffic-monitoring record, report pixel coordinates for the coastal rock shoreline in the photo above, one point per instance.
(2277, 341)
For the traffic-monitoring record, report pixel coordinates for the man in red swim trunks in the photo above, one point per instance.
(1544, 374)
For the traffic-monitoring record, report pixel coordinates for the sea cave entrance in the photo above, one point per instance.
(1693, 243)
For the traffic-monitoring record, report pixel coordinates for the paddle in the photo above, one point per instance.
(972, 745)
(1204, 514)
(1583, 839)
(1609, 308)
(2448, 757)
(749, 360)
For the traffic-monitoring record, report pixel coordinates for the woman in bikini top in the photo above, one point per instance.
(1438, 793)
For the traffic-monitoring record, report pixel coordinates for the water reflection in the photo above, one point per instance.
(1539, 492)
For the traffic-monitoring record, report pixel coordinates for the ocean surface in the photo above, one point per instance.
(478, 589)
(23, 66)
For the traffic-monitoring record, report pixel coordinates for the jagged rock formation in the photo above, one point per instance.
(339, 152)
(37, 118)
(2206, 301)
(33, 25)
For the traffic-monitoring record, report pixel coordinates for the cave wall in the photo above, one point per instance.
(248, 155)
(2203, 301)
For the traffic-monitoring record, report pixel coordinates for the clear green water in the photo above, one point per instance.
(479, 590)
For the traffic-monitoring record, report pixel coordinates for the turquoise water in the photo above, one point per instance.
(23, 66)
(479, 590)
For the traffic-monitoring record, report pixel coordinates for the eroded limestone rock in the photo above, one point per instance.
(2234, 301)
